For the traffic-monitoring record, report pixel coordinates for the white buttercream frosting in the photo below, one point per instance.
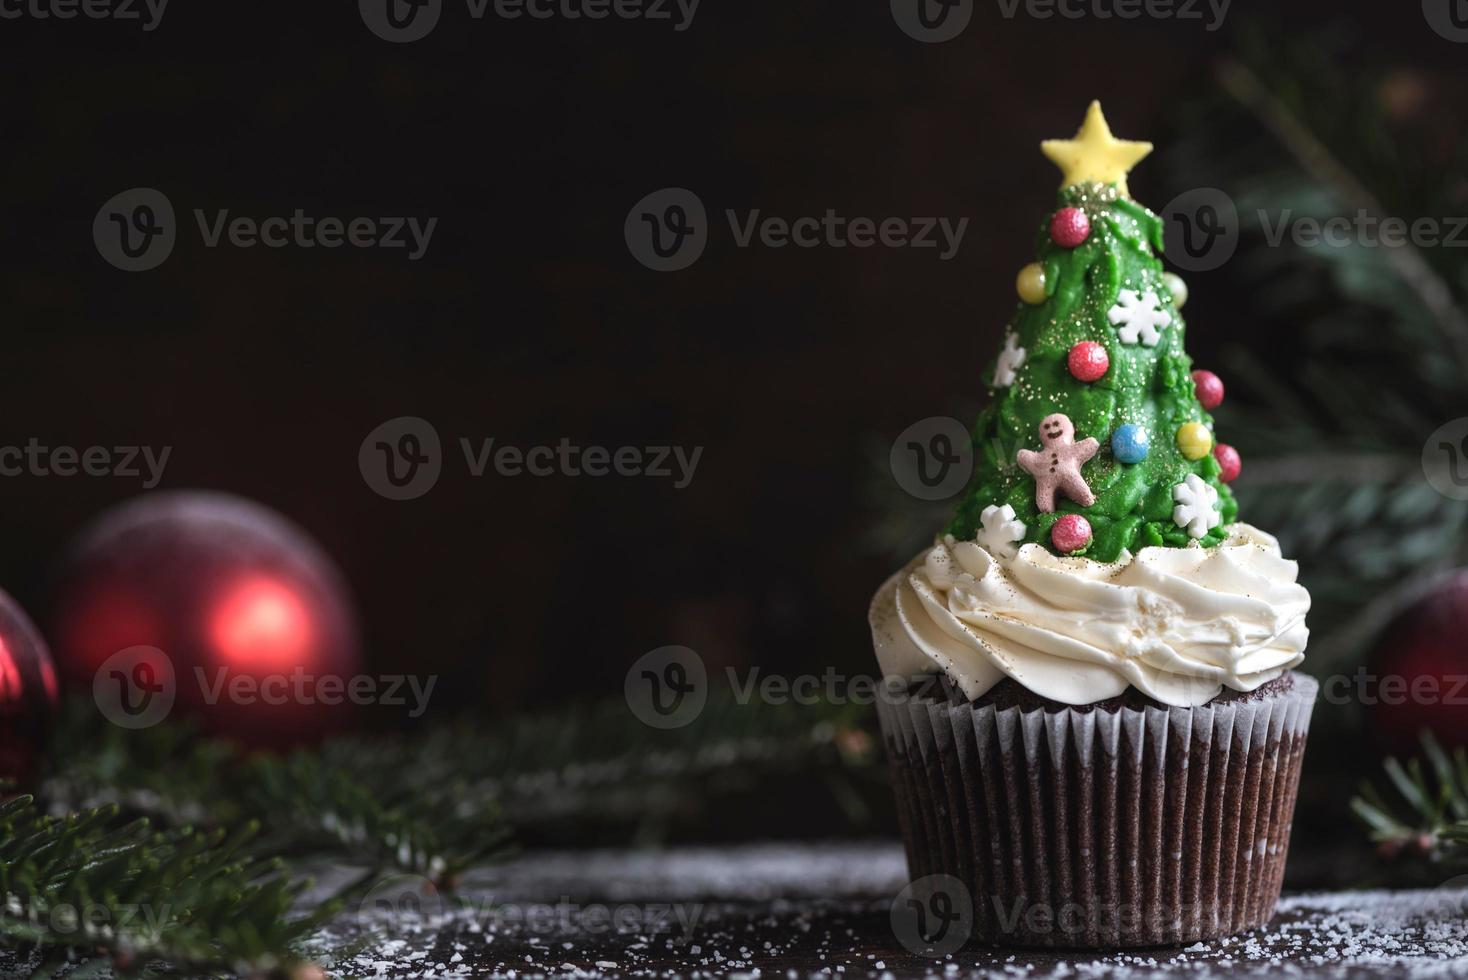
(1178, 624)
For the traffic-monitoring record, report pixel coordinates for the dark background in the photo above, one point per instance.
(528, 320)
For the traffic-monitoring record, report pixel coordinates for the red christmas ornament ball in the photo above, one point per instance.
(1414, 678)
(1088, 361)
(244, 623)
(1229, 463)
(1209, 388)
(1070, 227)
(27, 693)
(1071, 533)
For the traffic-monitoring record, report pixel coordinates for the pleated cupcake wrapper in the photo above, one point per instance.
(1102, 829)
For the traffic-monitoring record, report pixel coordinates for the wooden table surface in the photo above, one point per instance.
(824, 909)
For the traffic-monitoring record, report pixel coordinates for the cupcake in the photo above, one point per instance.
(1093, 721)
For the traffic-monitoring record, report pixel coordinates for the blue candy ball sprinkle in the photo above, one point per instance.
(1129, 443)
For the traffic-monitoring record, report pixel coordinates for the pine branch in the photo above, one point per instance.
(1434, 293)
(338, 805)
(442, 802)
(86, 883)
(1336, 475)
(596, 764)
(1429, 815)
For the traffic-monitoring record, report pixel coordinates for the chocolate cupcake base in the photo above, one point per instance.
(1103, 826)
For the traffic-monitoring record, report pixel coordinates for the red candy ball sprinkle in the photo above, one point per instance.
(1071, 533)
(1229, 463)
(1088, 361)
(1070, 227)
(1209, 388)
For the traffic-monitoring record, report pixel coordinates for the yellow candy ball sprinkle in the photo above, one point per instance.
(1177, 287)
(1194, 440)
(1030, 284)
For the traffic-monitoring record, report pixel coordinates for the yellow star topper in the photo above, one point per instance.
(1094, 154)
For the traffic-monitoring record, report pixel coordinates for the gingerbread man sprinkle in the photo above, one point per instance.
(1058, 465)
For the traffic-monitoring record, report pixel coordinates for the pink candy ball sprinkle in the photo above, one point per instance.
(1209, 387)
(1070, 227)
(1071, 533)
(1088, 361)
(1229, 463)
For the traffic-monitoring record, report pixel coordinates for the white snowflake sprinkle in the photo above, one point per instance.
(1010, 359)
(1197, 506)
(1142, 315)
(1001, 530)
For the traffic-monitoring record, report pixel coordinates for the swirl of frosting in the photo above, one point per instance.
(1178, 624)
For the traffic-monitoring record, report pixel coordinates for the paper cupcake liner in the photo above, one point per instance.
(1102, 829)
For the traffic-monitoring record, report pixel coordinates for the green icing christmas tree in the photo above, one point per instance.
(1096, 440)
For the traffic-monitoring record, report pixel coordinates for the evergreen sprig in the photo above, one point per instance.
(124, 804)
(85, 883)
(342, 803)
(596, 764)
(1292, 133)
(1429, 817)
(442, 801)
